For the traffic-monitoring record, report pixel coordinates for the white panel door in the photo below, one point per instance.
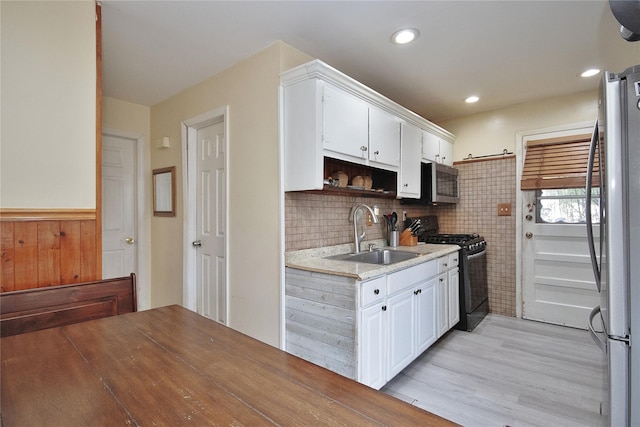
(557, 283)
(211, 285)
(426, 296)
(118, 207)
(410, 164)
(384, 137)
(345, 123)
(401, 315)
(372, 343)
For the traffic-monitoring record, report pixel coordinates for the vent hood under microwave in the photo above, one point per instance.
(438, 185)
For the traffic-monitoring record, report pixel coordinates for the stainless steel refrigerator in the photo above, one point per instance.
(614, 168)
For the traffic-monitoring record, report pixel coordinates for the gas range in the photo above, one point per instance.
(473, 283)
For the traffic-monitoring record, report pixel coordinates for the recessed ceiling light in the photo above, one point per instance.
(405, 36)
(590, 73)
(472, 99)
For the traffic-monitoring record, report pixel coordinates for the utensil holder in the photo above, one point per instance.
(394, 238)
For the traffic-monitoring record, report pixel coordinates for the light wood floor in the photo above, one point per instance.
(508, 372)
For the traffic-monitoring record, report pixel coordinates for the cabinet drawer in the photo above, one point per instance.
(454, 259)
(407, 278)
(373, 291)
(448, 262)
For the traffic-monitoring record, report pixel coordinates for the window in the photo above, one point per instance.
(556, 163)
(566, 206)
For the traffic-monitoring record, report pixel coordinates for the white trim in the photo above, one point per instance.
(189, 129)
(143, 213)
(521, 138)
(283, 319)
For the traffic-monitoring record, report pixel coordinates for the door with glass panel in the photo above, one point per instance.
(557, 277)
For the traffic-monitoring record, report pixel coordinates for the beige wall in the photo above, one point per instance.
(126, 116)
(493, 131)
(48, 104)
(250, 89)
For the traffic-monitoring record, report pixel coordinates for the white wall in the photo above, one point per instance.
(48, 104)
(493, 131)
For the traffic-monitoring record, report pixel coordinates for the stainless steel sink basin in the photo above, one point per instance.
(377, 256)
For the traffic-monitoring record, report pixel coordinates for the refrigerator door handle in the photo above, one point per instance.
(590, 242)
(599, 342)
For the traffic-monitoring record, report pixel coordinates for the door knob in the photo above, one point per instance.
(197, 243)
(529, 234)
(130, 240)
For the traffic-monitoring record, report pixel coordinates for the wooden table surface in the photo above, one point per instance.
(170, 366)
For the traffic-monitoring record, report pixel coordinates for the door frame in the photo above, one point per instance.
(189, 129)
(142, 176)
(570, 129)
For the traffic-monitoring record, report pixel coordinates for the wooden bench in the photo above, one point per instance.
(41, 308)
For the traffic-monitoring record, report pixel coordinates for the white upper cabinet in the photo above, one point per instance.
(410, 146)
(384, 137)
(345, 123)
(437, 149)
(328, 114)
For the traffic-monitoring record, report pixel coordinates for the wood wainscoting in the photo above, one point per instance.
(47, 248)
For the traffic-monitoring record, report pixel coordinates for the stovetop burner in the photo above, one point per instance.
(429, 234)
(450, 238)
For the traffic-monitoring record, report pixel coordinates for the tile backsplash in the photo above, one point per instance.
(314, 220)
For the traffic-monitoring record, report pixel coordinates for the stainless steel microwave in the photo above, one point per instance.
(438, 185)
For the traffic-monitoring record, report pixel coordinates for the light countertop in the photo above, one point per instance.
(315, 259)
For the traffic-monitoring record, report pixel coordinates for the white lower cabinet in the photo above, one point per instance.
(372, 349)
(448, 293)
(370, 330)
(401, 317)
(426, 314)
(397, 329)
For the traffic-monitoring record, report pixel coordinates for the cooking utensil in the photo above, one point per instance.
(394, 221)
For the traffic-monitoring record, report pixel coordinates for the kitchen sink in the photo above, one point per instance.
(377, 256)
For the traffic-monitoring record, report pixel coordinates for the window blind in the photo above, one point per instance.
(557, 163)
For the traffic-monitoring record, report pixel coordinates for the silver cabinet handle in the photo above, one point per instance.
(363, 148)
(529, 234)
(197, 243)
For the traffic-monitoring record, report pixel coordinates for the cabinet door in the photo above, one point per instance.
(345, 123)
(400, 318)
(426, 299)
(443, 305)
(454, 296)
(430, 147)
(446, 152)
(384, 137)
(410, 147)
(372, 347)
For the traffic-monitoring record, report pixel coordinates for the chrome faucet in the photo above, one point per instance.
(354, 214)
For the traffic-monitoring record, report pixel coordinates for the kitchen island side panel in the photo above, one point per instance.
(321, 322)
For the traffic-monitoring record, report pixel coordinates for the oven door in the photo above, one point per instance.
(475, 280)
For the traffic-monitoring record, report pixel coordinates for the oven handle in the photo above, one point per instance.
(479, 254)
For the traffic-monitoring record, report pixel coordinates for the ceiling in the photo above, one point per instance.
(505, 52)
